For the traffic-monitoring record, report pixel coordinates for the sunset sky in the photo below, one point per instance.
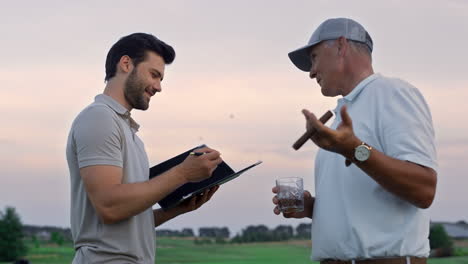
(231, 87)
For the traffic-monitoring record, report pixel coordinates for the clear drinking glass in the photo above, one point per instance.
(290, 194)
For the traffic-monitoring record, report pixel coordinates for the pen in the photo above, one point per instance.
(197, 153)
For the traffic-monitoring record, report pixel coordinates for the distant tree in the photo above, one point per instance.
(168, 233)
(236, 239)
(220, 240)
(35, 241)
(213, 232)
(224, 232)
(259, 233)
(11, 236)
(283, 232)
(303, 231)
(262, 233)
(206, 232)
(57, 238)
(187, 232)
(440, 242)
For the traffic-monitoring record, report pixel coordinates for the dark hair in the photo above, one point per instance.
(136, 46)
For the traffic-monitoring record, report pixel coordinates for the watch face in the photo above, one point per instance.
(362, 153)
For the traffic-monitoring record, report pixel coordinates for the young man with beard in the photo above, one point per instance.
(375, 172)
(112, 219)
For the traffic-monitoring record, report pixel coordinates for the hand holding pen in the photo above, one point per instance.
(200, 164)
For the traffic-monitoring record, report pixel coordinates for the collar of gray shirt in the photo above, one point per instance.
(118, 108)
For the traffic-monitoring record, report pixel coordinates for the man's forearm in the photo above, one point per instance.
(409, 181)
(121, 201)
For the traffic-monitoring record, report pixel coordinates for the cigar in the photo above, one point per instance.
(310, 133)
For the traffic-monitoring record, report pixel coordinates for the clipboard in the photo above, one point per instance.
(222, 174)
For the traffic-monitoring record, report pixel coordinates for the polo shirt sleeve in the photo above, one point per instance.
(97, 138)
(406, 126)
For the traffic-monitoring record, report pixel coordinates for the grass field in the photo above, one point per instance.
(172, 251)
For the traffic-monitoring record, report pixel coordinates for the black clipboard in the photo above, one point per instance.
(222, 174)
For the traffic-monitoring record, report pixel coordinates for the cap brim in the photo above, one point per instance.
(301, 57)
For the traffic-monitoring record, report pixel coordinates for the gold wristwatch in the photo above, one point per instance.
(362, 152)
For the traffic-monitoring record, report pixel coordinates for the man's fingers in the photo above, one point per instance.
(193, 202)
(208, 153)
(275, 200)
(217, 161)
(207, 194)
(213, 165)
(312, 121)
(276, 210)
(212, 191)
(346, 119)
(204, 198)
(203, 150)
(308, 115)
(212, 155)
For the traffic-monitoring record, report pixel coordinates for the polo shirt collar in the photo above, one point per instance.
(118, 108)
(354, 93)
(358, 89)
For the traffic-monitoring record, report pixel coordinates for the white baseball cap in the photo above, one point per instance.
(333, 28)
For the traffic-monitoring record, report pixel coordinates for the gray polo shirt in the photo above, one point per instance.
(104, 134)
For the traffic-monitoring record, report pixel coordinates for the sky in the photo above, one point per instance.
(231, 87)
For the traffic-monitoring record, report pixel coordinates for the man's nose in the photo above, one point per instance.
(312, 72)
(157, 86)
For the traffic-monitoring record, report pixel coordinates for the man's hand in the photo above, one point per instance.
(192, 204)
(197, 168)
(197, 201)
(308, 206)
(341, 141)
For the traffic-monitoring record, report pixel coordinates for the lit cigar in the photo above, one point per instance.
(310, 133)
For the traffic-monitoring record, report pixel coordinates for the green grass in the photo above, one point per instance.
(172, 251)
(461, 251)
(50, 254)
(184, 251)
(450, 260)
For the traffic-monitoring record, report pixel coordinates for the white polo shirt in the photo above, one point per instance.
(354, 217)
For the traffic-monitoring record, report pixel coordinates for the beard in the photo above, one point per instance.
(134, 91)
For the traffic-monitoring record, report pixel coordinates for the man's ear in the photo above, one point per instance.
(342, 45)
(125, 64)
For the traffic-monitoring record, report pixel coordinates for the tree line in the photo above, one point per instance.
(13, 235)
(252, 233)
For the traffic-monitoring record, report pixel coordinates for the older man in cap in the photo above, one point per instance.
(375, 172)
